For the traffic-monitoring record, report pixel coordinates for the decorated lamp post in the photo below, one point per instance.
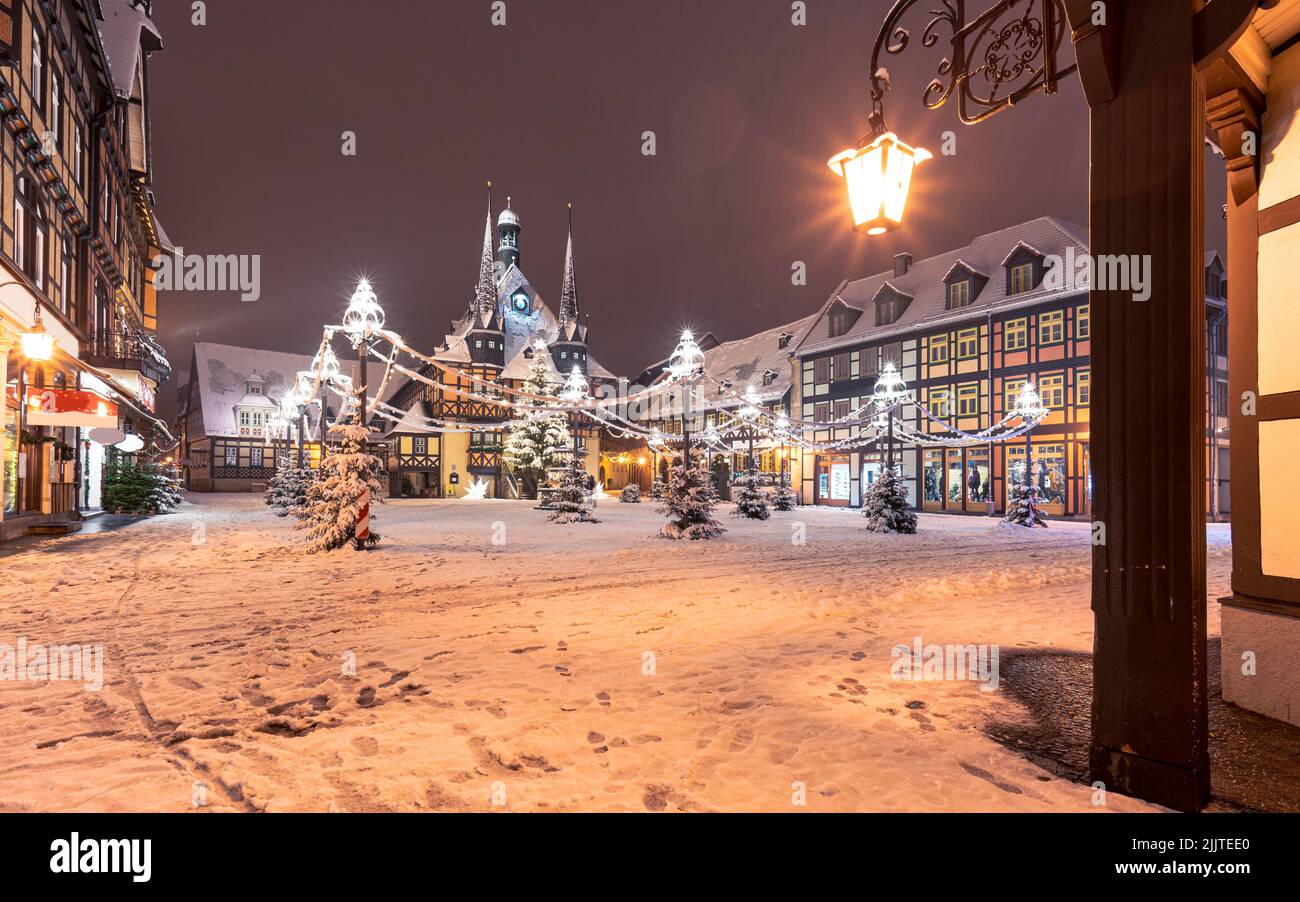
(575, 391)
(363, 317)
(1030, 408)
(686, 362)
(750, 411)
(889, 390)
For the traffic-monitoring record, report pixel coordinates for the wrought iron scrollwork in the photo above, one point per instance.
(997, 59)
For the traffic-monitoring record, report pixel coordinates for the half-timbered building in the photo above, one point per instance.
(77, 232)
(450, 431)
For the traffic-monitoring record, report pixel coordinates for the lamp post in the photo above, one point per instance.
(363, 317)
(686, 362)
(889, 390)
(575, 390)
(1030, 408)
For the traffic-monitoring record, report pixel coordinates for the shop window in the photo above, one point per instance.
(1017, 335)
(956, 480)
(968, 343)
(1049, 473)
(1051, 327)
(933, 477)
(978, 478)
(1083, 323)
(938, 349)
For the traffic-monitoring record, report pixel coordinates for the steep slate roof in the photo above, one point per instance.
(122, 30)
(924, 283)
(222, 372)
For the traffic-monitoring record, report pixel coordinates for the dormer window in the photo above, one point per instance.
(769, 376)
(841, 318)
(1022, 278)
(959, 294)
(890, 304)
(784, 340)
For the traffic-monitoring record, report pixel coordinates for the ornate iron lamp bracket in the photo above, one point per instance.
(998, 59)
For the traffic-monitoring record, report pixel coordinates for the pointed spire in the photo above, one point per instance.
(485, 295)
(569, 293)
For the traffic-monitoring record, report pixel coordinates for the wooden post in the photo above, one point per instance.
(1149, 718)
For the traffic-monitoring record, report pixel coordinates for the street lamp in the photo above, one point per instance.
(363, 317)
(686, 362)
(575, 390)
(878, 175)
(1031, 409)
(38, 345)
(889, 390)
(750, 412)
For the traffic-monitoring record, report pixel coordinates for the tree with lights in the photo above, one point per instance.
(334, 502)
(751, 500)
(569, 503)
(885, 506)
(537, 440)
(689, 501)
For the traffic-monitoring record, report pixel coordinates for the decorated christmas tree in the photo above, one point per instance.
(785, 498)
(1023, 508)
(538, 440)
(885, 506)
(751, 500)
(631, 494)
(689, 502)
(570, 504)
(336, 501)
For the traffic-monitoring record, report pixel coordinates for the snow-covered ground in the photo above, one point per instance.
(502, 661)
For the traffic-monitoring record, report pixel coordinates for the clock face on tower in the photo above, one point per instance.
(519, 302)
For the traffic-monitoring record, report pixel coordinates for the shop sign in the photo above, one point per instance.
(69, 407)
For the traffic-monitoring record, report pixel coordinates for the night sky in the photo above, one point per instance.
(248, 113)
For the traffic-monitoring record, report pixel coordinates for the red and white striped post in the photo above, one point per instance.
(363, 521)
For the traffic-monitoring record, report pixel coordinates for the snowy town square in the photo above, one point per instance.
(483, 656)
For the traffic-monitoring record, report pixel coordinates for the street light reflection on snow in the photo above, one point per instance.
(878, 175)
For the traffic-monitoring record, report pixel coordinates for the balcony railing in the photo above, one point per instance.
(128, 350)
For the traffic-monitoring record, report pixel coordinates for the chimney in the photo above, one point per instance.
(902, 263)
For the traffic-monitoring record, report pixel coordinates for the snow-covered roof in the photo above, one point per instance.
(122, 30)
(752, 361)
(924, 282)
(223, 372)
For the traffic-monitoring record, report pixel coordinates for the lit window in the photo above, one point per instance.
(1083, 325)
(968, 343)
(1051, 327)
(38, 70)
(938, 348)
(232, 455)
(1012, 390)
(939, 401)
(1022, 278)
(1083, 387)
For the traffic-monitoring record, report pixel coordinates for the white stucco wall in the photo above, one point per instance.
(1274, 690)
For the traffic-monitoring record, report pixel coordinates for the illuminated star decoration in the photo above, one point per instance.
(476, 490)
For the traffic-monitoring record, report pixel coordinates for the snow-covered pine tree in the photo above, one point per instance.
(126, 485)
(689, 501)
(537, 441)
(164, 489)
(631, 494)
(569, 503)
(1023, 509)
(275, 491)
(658, 489)
(332, 506)
(751, 500)
(287, 489)
(785, 498)
(885, 506)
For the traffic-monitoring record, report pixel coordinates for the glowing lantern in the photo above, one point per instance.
(687, 358)
(1029, 405)
(878, 173)
(890, 387)
(38, 344)
(364, 315)
(575, 387)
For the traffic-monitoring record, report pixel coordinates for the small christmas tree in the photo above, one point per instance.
(333, 502)
(631, 494)
(658, 489)
(287, 490)
(164, 490)
(751, 500)
(689, 502)
(785, 499)
(569, 503)
(126, 486)
(885, 506)
(538, 440)
(1023, 509)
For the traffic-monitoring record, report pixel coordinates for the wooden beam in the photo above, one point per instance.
(1217, 27)
(1096, 47)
